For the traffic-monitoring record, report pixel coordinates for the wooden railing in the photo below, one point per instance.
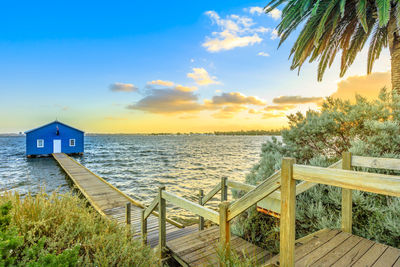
(266, 193)
(347, 179)
(160, 201)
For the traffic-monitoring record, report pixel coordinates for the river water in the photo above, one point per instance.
(138, 164)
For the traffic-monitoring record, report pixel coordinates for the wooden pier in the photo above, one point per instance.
(111, 202)
(190, 247)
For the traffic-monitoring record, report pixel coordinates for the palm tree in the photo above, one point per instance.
(334, 26)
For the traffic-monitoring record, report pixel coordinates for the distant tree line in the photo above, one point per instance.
(250, 132)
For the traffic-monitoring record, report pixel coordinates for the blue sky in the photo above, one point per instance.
(61, 59)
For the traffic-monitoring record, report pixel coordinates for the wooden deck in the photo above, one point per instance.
(200, 248)
(337, 248)
(110, 202)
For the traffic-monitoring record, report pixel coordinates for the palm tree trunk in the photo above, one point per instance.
(395, 61)
(394, 47)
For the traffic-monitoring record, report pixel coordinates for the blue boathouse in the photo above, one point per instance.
(54, 137)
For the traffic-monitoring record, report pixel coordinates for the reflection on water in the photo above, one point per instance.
(139, 164)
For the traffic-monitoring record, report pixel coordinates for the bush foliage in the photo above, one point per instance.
(59, 230)
(366, 128)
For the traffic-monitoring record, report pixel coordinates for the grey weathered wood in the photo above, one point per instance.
(364, 181)
(378, 163)
(211, 194)
(347, 200)
(224, 190)
(144, 227)
(128, 213)
(252, 197)
(161, 224)
(207, 213)
(288, 213)
(151, 208)
(224, 225)
(201, 219)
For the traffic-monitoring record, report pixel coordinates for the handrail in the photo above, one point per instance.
(377, 163)
(211, 194)
(252, 197)
(364, 181)
(150, 208)
(345, 178)
(191, 206)
(300, 188)
(249, 187)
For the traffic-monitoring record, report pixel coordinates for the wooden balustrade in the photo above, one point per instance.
(345, 178)
(211, 194)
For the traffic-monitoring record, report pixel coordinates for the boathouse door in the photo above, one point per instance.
(56, 146)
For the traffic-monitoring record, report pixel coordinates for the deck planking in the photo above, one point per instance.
(337, 248)
(110, 202)
(200, 248)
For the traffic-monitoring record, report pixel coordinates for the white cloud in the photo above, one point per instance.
(123, 87)
(201, 77)
(161, 82)
(274, 34)
(263, 54)
(275, 13)
(236, 31)
(256, 10)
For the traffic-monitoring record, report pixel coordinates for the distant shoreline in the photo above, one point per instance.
(228, 133)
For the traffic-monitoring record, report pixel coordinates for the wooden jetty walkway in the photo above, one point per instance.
(111, 202)
(276, 195)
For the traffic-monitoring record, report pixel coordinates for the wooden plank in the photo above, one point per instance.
(248, 187)
(371, 256)
(211, 194)
(307, 238)
(304, 185)
(364, 181)
(151, 207)
(388, 258)
(192, 207)
(252, 197)
(347, 200)
(338, 252)
(378, 163)
(354, 254)
(323, 250)
(288, 213)
(310, 243)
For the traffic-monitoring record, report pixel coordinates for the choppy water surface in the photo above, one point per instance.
(139, 164)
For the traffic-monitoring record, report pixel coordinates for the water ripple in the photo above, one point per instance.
(139, 164)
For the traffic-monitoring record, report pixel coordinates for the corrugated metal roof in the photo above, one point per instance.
(56, 121)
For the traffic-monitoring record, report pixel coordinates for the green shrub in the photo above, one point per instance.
(367, 128)
(59, 230)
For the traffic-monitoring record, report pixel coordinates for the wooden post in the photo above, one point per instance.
(201, 219)
(288, 213)
(224, 225)
(224, 189)
(161, 224)
(144, 228)
(347, 200)
(128, 213)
